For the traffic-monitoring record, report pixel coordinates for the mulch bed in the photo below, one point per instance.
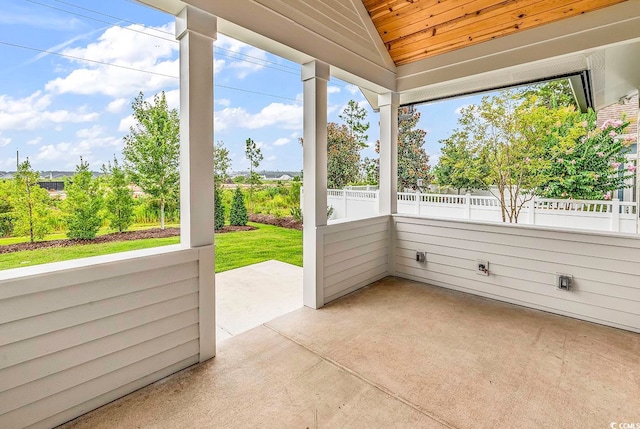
(283, 222)
(108, 238)
(147, 233)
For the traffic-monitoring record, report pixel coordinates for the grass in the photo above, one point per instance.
(233, 250)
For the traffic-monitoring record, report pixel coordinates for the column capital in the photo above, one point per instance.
(315, 69)
(192, 19)
(389, 99)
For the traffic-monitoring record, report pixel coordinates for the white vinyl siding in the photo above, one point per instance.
(74, 339)
(523, 263)
(355, 254)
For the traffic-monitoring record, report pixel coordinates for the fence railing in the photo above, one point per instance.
(612, 215)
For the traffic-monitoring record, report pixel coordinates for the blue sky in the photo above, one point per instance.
(56, 108)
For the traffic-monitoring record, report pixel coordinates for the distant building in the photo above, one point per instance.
(627, 109)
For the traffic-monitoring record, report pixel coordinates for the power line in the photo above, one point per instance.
(99, 20)
(15, 45)
(158, 37)
(111, 16)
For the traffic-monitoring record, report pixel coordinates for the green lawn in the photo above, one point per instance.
(233, 250)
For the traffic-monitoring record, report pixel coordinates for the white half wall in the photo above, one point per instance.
(89, 331)
(523, 262)
(356, 254)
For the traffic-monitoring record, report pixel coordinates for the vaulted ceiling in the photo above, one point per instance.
(416, 29)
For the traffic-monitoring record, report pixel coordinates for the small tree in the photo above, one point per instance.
(118, 199)
(354, 117)
(152, 150)
(459, 166)
(82, 205)
(30, 203)
(222, 164)
(219, 218)
(413, 161)
(254, 155)
(6, 207)
(343, 156)
(238, 215)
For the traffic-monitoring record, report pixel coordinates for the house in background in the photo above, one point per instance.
(77, 335)
(626, 107)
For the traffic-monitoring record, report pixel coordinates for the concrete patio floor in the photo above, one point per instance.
(400, 354)
(250, 296)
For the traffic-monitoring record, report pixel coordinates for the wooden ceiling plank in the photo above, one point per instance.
(417, 11)
(467, 12)
(424, 49)
(514, 11)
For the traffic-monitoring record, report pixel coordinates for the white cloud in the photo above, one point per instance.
(34, 141)
(126, 124)
(333, 89)
(281, 141)
(31, 112)
(4, 141)
(251, 60)
(353, 90)
(287, 116)
(271, 158)
(117, 105)
(90, 133)
(125, 48)
(225, 102)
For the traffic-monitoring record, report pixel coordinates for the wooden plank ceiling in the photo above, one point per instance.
(417, 29)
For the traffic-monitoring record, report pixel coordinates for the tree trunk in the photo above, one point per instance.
(162, 213)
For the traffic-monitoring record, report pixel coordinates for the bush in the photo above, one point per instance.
(219, 217)
(296, 213)
(238, 215)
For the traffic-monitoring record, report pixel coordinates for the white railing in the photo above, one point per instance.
(612, 215)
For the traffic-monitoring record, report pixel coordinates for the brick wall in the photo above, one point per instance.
(616, 111)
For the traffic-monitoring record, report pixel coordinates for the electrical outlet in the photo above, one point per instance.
(564, 281)
(421, 257)
(482, 268)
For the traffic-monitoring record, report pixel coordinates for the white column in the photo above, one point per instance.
(388, 182)
(196, 30)
(315, 76)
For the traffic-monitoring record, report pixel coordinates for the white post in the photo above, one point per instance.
(532, 211)
(196, 30)
(344, 203)
(615, 215)
(388, 181)
(315, 76)
(638, 175)
(467, 206)
(417, 202)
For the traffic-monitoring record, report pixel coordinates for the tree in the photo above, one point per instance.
(343, 156)
(118, 198)
(82, 205)
(152, 150)
(222, 164)
(354, 116)
(218, 211)
(238, 215)
(30, 203)
(254, 155)
(6, 207)
(413, 161)
(552, 94)
(459, 165)
(587, 162)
